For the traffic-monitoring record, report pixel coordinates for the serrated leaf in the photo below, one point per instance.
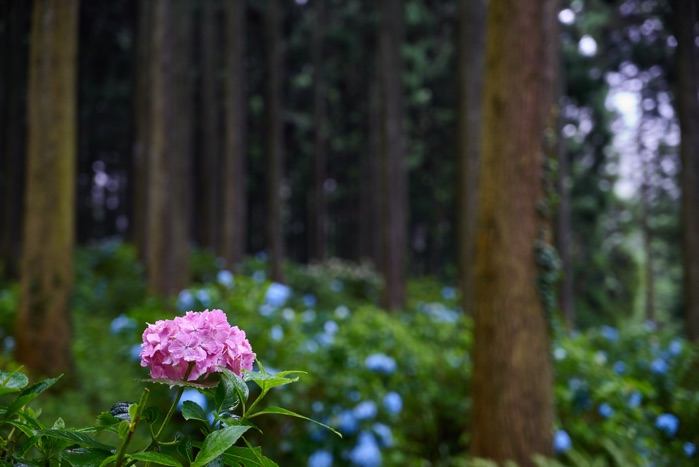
(85, 457)
(267, 381)
(249, 457)
(193, 411)
(226, 397)
(217, 443)
(179, 383)
(29, 394)
(76, 437)
(12, 381)
(238, 384)
(151, 414)
(155, 458)
(106, 419)
(59, 424)
(282, 411)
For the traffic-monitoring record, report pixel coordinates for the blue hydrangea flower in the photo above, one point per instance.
(393, 403)
(185, 300)
(366, 453)
(667, 423)
(262, 256)
(308, 316)
(331, 327)
(635, 399)
(658, 366)
(194, 396)
(276, 333)
(689, 449)
(606, 410)
(342, 312)
(135, 351)
(204, 297)
(337, 285)
(225, 278)
(619, 367)
(317, 406)
(259, 276)
(384, 433)
(560, 353)
(609, 333)
(277, 294)
(365, 410)
(122, 323)
(309, 300)
(380, 363)
(675, 347)
(265, 309)
(347, 423)
(448, 293)
(561, 442)
(320, 458)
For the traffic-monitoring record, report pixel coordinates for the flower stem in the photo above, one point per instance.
(132, 427)
(174, 404)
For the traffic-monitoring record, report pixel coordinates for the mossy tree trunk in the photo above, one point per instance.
(393, 175)
(512, 415)
(44, 331)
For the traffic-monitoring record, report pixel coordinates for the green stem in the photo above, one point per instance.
(132, 427)
(174, 404)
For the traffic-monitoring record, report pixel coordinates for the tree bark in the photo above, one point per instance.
(470, 69)
(13, 132)
(688, 112)
(44, 330)
(393, 172)
(318, 212)
(275, 141)
(512, 377)
(234, 213)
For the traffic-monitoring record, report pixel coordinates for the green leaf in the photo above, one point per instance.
(106, 419)
(12, 382)
(193, 411)
(29, 394)
(122, 429)
(217, 443)
(240, 387)
(108, 461)
(85, 457)
(27, 445)
(281, 411)
(184, 447)
(133, 410)
(226, 397)
(156, 458)
(267, 381)
(59, 424)
(187, 384)
(248, 457)
(75, 437)
(151, 414)
(23, 427)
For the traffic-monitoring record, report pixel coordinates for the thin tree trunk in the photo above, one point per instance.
(210, 156)
(393, 172)
(685, 15)
(318, 212)
(470, 69)
(512, 385)
(44, 330)
(234, 203)
(13, 132)
(368, 192)
(275, 141)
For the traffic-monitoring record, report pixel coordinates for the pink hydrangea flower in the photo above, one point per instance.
(204, 338)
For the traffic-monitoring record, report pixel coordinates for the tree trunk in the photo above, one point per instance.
(44, 330)
(13, 131)
(210, 180)
(393, 172)
(275, 141)
(234, 203)
(167, 254)
(368, 192)
(512, 377)
(470, 69)
(688, 112)
(318, 212)
(563, 235)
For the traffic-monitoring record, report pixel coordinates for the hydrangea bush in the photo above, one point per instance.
(198, 351)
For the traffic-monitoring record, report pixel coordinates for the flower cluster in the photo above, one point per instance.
(202, 338)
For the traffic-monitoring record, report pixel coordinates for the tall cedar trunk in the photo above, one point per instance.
(512, 376)
(142, 112)
(167, 264)
(44, 331)
(13, 131)
(275, 143)
(470, 69)
(688, 111)
(210, 156)
(393, 174)
(233, 217)
(318, 212)
(368, 192)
